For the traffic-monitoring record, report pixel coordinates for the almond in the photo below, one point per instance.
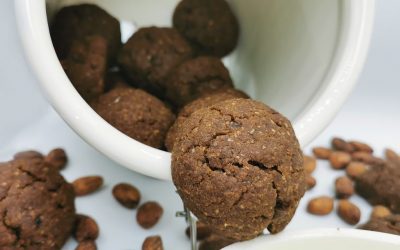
(360, 146)
(86, 228)
(86, 245)
(344, 187)
(380, 212)
(322, 205)
(342, 145)
(349, 212)
(148, 214)
(203, 231)
(153, 243)
(127, 195)
(310, 182)
(355, 169)
(87, 185)
(57, 157)
(339, 159)
(310, 164)
(367, 158)
(322, 153)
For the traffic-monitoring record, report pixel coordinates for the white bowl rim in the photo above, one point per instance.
(318, 233)
(35, 37)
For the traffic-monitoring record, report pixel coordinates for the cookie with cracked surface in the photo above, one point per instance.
(209, 25)
(195, 78)
(152, 53)
(135, 113)
(37, 208)
(389, 224)
(73, 22)
(199, 103)
(237, 165)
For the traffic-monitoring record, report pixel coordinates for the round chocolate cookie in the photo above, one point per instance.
(209, 25)
(195, 78)
(37, 208)
(135, 113)
(74, 22)
(237, 165)
(199, 103)
(151, 54)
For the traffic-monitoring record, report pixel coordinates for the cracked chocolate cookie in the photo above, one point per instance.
(195, 78)
(209, 25)
(152, 53)
(380, 185)
(37, 208)
(199, 103)
(86, 66)
(238, 167)
(389, 224)
(135, 113)
(75, 22)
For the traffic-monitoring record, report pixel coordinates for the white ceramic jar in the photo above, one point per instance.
(301, 57)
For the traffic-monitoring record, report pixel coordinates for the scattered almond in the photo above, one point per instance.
(349, 212)
(153, 243)
(214, 242)
(126, 194)
(86, 245)
(360, 146)
(367, 158)
(310, 164)
(148, 214)
(87, 185)
(339, 159)
(344, 187)
(342, 145)
(355, 169)
(86, 229)
(380, 212)
(310, 182)
(322, 153)
(57, 157)
(203, 231)
(322, 205)
(29, 154)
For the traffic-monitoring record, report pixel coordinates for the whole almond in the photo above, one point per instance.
(361, 146)
(392, 156)
(355, 169)
(322, 153)
(342, 145)
(339, 159)
(322, 205)
(28, 154)
(214, 242)
(349, 212)
(86, 229)
(203, 231)
(310, 163)
(127, 195)
(86, 245)
(380, 211)
(153, 243)
(367, 158)
(148, 214)
(86, 185)
(344, 187)
(310, 182)
(57, 157)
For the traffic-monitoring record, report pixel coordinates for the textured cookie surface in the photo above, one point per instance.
(238, 167)
(37, 208)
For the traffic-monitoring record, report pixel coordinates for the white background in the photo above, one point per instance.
(372, 114)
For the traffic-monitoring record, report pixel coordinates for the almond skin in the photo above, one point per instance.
(86, 245)
(380, 211)
(344, 187)
(367, 158)
(349, 212)
(310, 163)
(153, 243)
(361, 146)
(342, 145)
(86, 185)
(322, 205)
(322, 153)
(310, 182)
(203, 231)
(126, 194)
(148, 214)
(355, 169)
(86, 229)
(339, 159)
(57, 157)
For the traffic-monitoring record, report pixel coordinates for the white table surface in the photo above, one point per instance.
(372, 113)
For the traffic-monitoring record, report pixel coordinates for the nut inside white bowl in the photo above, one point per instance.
(300, 57)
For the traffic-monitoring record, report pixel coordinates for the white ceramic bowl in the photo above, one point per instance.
(326, 239)
(300, 57)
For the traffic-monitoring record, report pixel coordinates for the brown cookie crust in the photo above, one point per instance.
(238, 167)
(72, 23)
(152, 53)
(389, 224)
(86, 66)
(195, 78)
(37, 208)
(199, 103)
(136, 113)
(209, 25)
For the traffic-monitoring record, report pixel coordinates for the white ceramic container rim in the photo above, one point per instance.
(324, 233)
(339, 81)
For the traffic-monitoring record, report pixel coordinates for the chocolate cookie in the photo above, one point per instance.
(389, 224)
(74, 22)
(37, 208)
(135, 113)
(86, 65)
(238, 167)
(195, 78)
(209, 25)
(380, 185)
(152, 53)
(199, 103)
